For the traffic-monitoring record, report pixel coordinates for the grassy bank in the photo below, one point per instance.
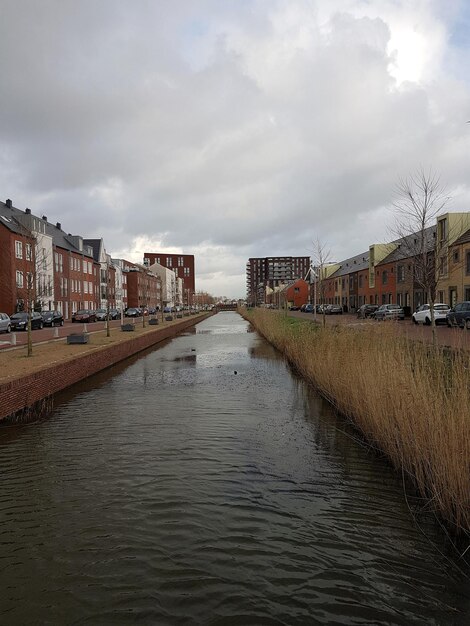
(408, 399)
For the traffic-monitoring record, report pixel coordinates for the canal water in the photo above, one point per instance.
(204, 483)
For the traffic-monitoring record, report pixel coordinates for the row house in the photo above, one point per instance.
(455, 285)
(107, 273)
(120, 284)
(143, 286)
(76, 283)
(393, 272)
(17, 262)
(452, 261)
(58, 266)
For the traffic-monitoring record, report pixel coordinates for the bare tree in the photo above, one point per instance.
(420, 198)
(37, 288)
(321, 260)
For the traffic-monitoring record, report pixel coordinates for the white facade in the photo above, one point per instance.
(120, 284)
(169, 284)
(179, 292)
(44, 259)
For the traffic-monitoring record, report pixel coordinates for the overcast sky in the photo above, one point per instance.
(230, 128)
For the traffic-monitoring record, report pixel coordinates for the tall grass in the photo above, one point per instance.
(409, 399)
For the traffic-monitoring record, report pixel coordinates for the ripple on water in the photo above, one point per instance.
(176, 492)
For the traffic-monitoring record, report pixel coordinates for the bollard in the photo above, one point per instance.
(56, 332)
(84, 329)
(13, 339)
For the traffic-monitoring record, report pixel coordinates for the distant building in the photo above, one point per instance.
(171, 285)
(181, 264)
(265, 274)
(143, 286)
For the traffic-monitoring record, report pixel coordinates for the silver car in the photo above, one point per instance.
(389, 312)
(5, 324)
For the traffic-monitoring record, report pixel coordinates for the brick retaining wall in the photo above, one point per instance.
(26, 398)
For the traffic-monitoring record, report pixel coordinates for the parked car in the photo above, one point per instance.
(294, 308)
(334, 309)
(423, 314)
(19, 321)
(114, 314)
(52, 318)
(101, 315)
(321, 308)
(366, 310)
(459, 315)
(308, 308)
(132, 312)
(389, 312)
(5, 323)
(84, 316)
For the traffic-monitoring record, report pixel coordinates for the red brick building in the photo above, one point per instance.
(297, 293)
(65, 260)
(143, 287)
(17, 259)
(181, 264)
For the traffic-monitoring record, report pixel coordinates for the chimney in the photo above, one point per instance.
(44, 217)
(9, 203)
(58, 225)
(27, 211)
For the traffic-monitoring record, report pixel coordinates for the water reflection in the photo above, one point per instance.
(179, 492)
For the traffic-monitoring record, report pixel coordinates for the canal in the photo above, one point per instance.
(204, 483)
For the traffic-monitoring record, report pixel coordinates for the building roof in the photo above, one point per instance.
(59, 237)
(353, 264)
(95, 245)
(8, 219)
(407, 246)
(465, 238)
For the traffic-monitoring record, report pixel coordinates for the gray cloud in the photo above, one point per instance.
(225, 129)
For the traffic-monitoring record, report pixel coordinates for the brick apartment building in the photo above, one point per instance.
(17, 261)
(181, 264)
(143, 286)
(271, 272)
(65, 276)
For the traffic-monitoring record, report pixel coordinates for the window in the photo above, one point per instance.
(180, 261)
(401, 274)
(168, 261)
(71, 263)
(384, 279)
(186, 271)
(90, 268)
(18, 249)
(467, 262)
(19, 279)
(28, 252)
(442, 229)
(443, 266)
(455, 256)
(360, 280)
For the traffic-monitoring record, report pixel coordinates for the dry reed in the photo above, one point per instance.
(407, 398)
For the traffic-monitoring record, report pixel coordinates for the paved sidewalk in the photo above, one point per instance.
(452, 337)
